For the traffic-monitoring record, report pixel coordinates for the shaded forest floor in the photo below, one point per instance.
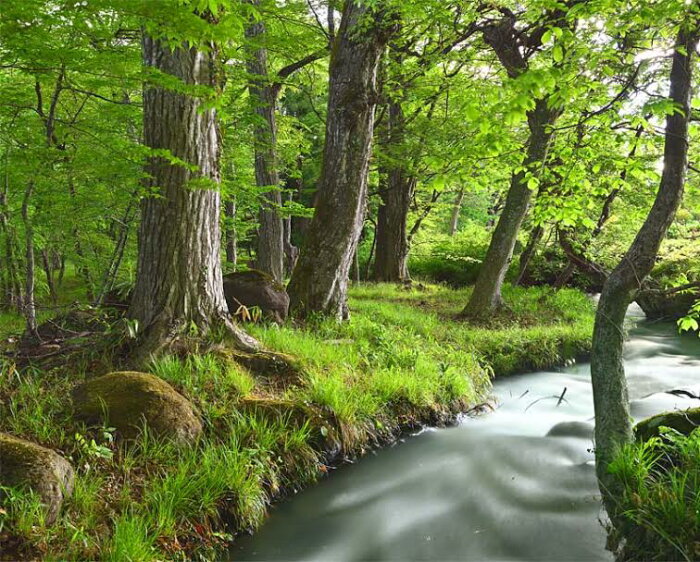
(403, 361)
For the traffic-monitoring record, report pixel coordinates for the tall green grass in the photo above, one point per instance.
(660, 502)
(403, 358)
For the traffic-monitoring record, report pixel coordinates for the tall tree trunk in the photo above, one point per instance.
(320, 279)
(391, 263)
(270, 246)
(612, 416)
(456, 211)
(179, 281)
(30, 277)
(487, 290)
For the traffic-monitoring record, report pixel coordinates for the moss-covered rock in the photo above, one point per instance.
(47, 473)
(130, 399)
(684, 421)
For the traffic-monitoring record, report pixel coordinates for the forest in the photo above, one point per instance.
(349, 280)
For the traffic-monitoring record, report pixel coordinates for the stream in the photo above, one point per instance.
(515, 484)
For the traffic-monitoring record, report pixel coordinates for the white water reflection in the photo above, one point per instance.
(517, 484)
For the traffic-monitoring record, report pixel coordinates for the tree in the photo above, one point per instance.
(320, 278)
(264, 93)
(612, 416)
(179, 282)
(508, 43)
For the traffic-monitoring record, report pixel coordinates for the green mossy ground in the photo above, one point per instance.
(402, 361)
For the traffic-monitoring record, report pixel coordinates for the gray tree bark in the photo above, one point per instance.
(506, 42)
(612, 416)
(231, 242)
(320, 279)
(263, 95)
(391, 263)
(179, 281)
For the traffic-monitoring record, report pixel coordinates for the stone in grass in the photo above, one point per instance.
(42, 470)
(684, 421)
(255, 288)
(130, 399)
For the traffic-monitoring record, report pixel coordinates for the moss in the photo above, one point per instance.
(683, 421)
(41, 470)
(127, 399)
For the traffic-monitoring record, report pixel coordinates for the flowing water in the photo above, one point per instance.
(516, 484)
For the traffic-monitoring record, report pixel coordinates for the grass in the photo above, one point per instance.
(660, 503)
(403, 360)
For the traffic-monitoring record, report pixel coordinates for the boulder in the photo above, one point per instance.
(579, 429)
(684, 421)
(255, 288)
(47, 473)
(129, 399)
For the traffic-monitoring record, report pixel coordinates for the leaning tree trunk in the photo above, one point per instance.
(270, 246)
(320, 279)
(528, 253)
(179, 279)
(391, 262)
(487, 290)
(612, 416)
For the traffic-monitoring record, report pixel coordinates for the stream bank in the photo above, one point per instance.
(516, 484)
(403, 361)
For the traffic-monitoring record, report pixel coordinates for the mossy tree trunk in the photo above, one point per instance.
(320, 278)
(179, 282)
(487, 290)
(612, 417)
(506, 42)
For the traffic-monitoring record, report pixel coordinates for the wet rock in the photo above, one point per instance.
(44, 471)
(572, 429)
(684, 421)
(256, 289)
(130, 399)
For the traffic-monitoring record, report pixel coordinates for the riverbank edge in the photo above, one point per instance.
(202, 534)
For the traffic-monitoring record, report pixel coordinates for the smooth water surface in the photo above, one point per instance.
(516, 484)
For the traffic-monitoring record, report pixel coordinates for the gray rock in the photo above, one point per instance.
(256, 288)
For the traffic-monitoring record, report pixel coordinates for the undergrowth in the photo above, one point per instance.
(403, 360)
(660, 500)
